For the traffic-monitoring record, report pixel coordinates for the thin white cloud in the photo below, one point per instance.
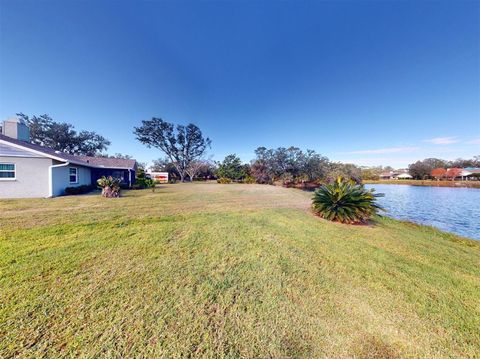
(443, 140)
(475, 141)
(384, 150)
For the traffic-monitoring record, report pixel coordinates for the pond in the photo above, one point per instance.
(450, 209)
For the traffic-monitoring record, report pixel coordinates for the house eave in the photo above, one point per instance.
(60, 159)
(33, 151)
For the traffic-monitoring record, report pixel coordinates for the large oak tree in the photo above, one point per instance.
(182, 144)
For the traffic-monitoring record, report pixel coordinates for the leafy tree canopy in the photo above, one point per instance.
(288, 164)
(182, 144)
(232, 168)
(165, 165)
(61, 136)
(423, 169)
(117, 155)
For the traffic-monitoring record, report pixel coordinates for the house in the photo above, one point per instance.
(388, 175)
(400, 174)
(29, 170)
(471, 173)
(404, 175)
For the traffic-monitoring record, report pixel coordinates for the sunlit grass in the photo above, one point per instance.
(228, 270)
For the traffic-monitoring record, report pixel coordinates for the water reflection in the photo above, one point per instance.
(455, 210)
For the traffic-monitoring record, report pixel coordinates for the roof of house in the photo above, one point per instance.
(110, 162)
(97, 162)
(474, 170)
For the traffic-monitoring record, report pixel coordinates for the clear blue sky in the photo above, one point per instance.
(369, 82)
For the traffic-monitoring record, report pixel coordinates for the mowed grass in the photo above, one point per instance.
(208, 270)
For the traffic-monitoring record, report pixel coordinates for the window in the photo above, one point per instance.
(7, 171)
(73, 172)
(118, 174)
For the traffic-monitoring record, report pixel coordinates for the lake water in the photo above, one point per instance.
(455, 210)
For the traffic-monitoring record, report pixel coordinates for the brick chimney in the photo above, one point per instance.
(16, 128)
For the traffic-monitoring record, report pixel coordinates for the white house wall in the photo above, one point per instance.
(31, 178)
(61, 178)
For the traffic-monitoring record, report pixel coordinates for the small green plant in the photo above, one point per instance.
(110, 186)
(345, 201)
(150, 183)
(224, 180)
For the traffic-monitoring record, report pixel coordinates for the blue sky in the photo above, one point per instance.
(368, 82)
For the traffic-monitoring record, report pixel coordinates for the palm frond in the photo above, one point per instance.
(345, 201)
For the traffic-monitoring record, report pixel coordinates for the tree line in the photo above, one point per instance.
(429, 168)
(185, 149)
(425, 169)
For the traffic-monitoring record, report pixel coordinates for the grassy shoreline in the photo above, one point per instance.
(228, 271)
(431, 183)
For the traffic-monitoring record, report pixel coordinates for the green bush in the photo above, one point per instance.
(143, 182)
(249, 180)
(345, 201)
(79, 189)
(224, 180)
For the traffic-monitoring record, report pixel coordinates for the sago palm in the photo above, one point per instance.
(345, 201)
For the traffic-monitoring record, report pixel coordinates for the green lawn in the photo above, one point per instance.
(228, 271)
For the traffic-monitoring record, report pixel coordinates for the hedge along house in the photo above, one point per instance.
(29, 170)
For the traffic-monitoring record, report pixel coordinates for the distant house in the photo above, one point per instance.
(28, 170)
(470, 173)
(390, 175)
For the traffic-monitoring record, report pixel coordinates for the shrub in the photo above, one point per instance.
(345, 201)
(249, 180)
(143, 182)
(110, 186)
(224, 180)
(79, 189)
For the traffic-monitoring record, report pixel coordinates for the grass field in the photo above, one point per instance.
(208, 270)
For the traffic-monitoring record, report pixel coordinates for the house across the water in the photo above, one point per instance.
(470, 173)
(404, 175)
(389, 175)
(29, 170)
